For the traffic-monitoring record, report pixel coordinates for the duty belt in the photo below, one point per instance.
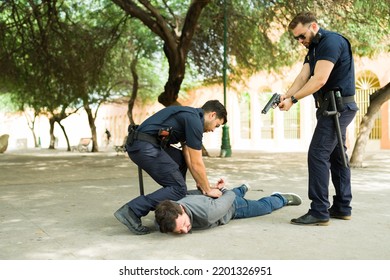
(145, 137)
(323, 99)
(348, 99)
(137, 135)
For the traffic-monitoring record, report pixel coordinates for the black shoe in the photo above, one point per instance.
(127, 217)
(338, 215)
(309, 220)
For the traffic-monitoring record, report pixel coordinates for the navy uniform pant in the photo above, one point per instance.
(166, 166)
(324, 160)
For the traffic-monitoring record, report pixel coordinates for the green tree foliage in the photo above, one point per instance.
(258, 35)
(63, 54)
(175, 23)
(139, 65)
(258, 39)
(56, 53)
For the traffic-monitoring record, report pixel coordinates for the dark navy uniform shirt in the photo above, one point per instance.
(187, 125)
(334, 47)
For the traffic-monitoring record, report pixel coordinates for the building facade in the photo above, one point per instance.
(248, 128)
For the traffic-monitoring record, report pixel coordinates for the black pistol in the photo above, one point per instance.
(272, 103)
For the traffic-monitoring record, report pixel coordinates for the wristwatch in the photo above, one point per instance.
(293, 99)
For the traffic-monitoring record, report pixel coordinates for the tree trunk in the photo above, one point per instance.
(376, 101)
(31, 125)
(65, 135)
(52, 122)
(172, 87)
(32, 128)
(91, 121)
(177, 63)
(134, 90)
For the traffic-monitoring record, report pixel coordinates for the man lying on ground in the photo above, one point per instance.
(196, 211)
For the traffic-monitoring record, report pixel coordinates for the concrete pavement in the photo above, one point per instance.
(59, 205)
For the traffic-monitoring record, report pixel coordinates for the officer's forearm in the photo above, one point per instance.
(198, 172)
(197, 168)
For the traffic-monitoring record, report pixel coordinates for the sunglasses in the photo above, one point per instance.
(302, 36)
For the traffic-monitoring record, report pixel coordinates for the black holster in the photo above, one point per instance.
(322, 100)
(131, 134)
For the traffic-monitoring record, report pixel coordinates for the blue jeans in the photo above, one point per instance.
(252, 208)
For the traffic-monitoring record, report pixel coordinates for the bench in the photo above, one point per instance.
(120, 148)
(83, 145)
(21, 143)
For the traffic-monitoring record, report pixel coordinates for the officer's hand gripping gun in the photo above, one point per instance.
(272, 103)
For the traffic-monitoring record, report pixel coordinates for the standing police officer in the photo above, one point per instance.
(328, 69)
(149, 146)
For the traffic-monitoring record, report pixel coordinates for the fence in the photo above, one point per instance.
(363, 101)
(292, 128)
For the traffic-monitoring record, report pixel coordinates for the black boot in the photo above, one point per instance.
(127, 217)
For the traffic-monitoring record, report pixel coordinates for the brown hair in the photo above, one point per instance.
(304, 18)
(216, 106)
(166, 214)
